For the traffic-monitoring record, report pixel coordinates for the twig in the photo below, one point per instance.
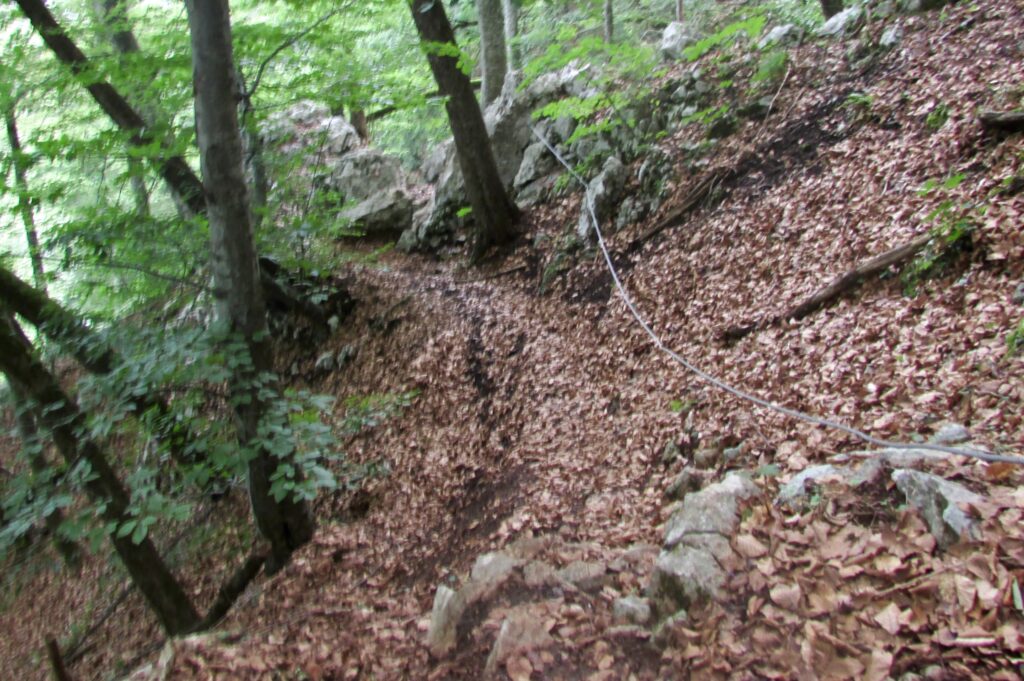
(494, 275)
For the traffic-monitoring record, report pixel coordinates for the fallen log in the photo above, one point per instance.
(836, 288)
(1003, 121)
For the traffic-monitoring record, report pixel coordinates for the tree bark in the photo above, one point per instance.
(680, 10)
(24, 202)
(510, 12)
(184, 185)
(609, 21)
(287, 524)
(66, 424)
(494, 213)
(112, 16)
(493, 58)
(830, 8)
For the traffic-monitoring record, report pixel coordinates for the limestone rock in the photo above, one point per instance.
(688, 480)
(631, 610)
(795, 490)
(938, 500)
(444, 620)
(844, 23)
(585, 576)
(676, 38)
(493, 567)
(520, 632)
(787, 34)
(605, 190)
(951, 434)
(712, 510)
(891, 37)
(385, 213)
(684, 576)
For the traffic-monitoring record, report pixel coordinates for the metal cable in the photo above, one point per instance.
(721, 385)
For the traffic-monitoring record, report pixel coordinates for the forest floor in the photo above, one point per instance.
(547, 414)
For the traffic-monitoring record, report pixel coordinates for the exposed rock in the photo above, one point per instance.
(912, 6)
(663, 632)
(787, 34)
(528, 547)
(712, 510)
(493, 567)
(540, 574)
(631, 610)
(951, 434)
(385, 213)
(585, 576)
(670, 452)
(688, 480)
(891, 37)
(707, 457)
(365, 173)
(937, 500)
(444, 620)
(796, 489)
(324, 362)
(605, 190)
(521, 632)
(684, 576)
(537, 161)
(309, 127)
(676, 38)
(1018, 294)
(846, 22)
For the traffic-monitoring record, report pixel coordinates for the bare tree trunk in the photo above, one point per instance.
(609, 22)
(830, 8)
(494, 60)
(510, 10)
(66, 424)
(680, 14)
(494, 212)
(288, 523)
(358, 120)
(24, 202)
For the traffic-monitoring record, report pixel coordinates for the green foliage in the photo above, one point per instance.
(936, 118)
(1015, 339)
(751, 27)
(954, 225)
(369, 411)
(771, 68)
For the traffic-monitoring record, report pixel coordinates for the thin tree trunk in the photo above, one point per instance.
(24, 202)
(252, 145)
(609, 22)
(494, 60)
(25, 420)
(185, 187)
(510, 12)
(830, 8)
(680, 14)
(494, 213)
(66, 424)
(287, 524)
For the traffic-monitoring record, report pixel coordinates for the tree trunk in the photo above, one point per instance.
(680, 13)
(830, 8)
(28, 432)
(24, 202)
(510, 12)
(494, 60)
(240, 306)
(360, 123)
(66, 424)
(185, 187)
(494, 213)
(609, 22)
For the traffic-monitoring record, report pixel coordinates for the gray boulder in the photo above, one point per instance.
(684, 576)
(712, 510)
(938, 501)
(604, 191)
(891, 37)
(365, 173)
(537, 162)
(951, 434)
(787, 34)
(676, 38)
(387, 213)
(631, 610)
(844, 23)
(448, 608)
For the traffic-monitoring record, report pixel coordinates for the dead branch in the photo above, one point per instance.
(1003, 121)
(232, 589)
(838, 286)
(675, 216)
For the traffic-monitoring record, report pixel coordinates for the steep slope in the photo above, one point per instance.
(549, 414)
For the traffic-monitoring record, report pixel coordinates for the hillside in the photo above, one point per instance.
(541, 421)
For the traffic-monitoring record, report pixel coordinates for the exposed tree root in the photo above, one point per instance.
(1002, 121)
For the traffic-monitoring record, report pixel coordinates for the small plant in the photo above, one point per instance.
(1015, 340)
(859, 105)
(937, 118)
(951, 235)
(772, 67)
(369, 411)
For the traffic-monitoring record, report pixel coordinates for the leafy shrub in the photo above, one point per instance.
(951, 236)
(772, 67)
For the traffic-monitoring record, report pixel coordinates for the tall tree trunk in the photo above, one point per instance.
(185, 187)
(510, 12)
(609, 22)
(358, 120)
(830, 8)
(494, 213)
(494, 60)
(680, 13)
(25, 421)
(66, 424)
(24, 202)
(240, 307)
(252, 147)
